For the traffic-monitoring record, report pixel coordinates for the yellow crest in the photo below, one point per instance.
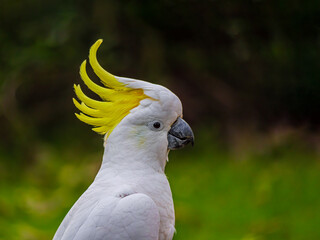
(118, 99)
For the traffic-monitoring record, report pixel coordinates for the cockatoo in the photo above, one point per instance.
(130, 197)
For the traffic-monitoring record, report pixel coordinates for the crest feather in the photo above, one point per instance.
(118, 99)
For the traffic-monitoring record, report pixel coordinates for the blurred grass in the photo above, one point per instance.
(269, 194)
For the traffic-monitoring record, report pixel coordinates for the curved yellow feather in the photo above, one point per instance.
(87, 110)
(102, 129)
(104, 93)
(91, 120)
(106, 78)
(118, 99)
(88, 101)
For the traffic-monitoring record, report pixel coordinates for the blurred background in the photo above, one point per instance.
(247, 73)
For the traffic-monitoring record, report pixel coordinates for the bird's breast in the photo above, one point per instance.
(153, 184)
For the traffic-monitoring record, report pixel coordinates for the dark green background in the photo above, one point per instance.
(247, 73)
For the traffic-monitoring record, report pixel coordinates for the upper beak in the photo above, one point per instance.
(180, 135)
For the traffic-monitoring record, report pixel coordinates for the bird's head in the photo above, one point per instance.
(132, 113)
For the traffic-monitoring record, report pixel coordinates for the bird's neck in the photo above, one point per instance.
(126, 155)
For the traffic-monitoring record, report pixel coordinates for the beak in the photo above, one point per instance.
(180, 135)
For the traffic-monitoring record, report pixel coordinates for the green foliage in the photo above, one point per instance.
(271, 194)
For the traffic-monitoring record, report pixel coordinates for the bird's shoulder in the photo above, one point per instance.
(114, 217)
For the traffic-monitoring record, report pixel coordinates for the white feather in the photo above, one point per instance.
(130, 197)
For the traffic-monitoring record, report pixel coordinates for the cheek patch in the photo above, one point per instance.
(138, 134)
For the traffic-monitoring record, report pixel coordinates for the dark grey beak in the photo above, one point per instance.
(180, 135)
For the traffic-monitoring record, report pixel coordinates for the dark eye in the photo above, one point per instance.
(156, 125)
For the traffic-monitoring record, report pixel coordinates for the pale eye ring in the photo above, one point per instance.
(155, 125)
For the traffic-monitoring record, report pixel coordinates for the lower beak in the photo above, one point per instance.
(180, 135)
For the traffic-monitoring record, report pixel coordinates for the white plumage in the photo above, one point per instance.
(130, 198)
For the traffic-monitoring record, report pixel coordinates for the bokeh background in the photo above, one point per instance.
(247, 72)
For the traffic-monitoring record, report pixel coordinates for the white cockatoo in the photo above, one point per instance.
(130, 198)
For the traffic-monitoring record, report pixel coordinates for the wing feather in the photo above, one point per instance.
(133, 217)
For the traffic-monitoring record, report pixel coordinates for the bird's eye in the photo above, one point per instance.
(155, 125)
